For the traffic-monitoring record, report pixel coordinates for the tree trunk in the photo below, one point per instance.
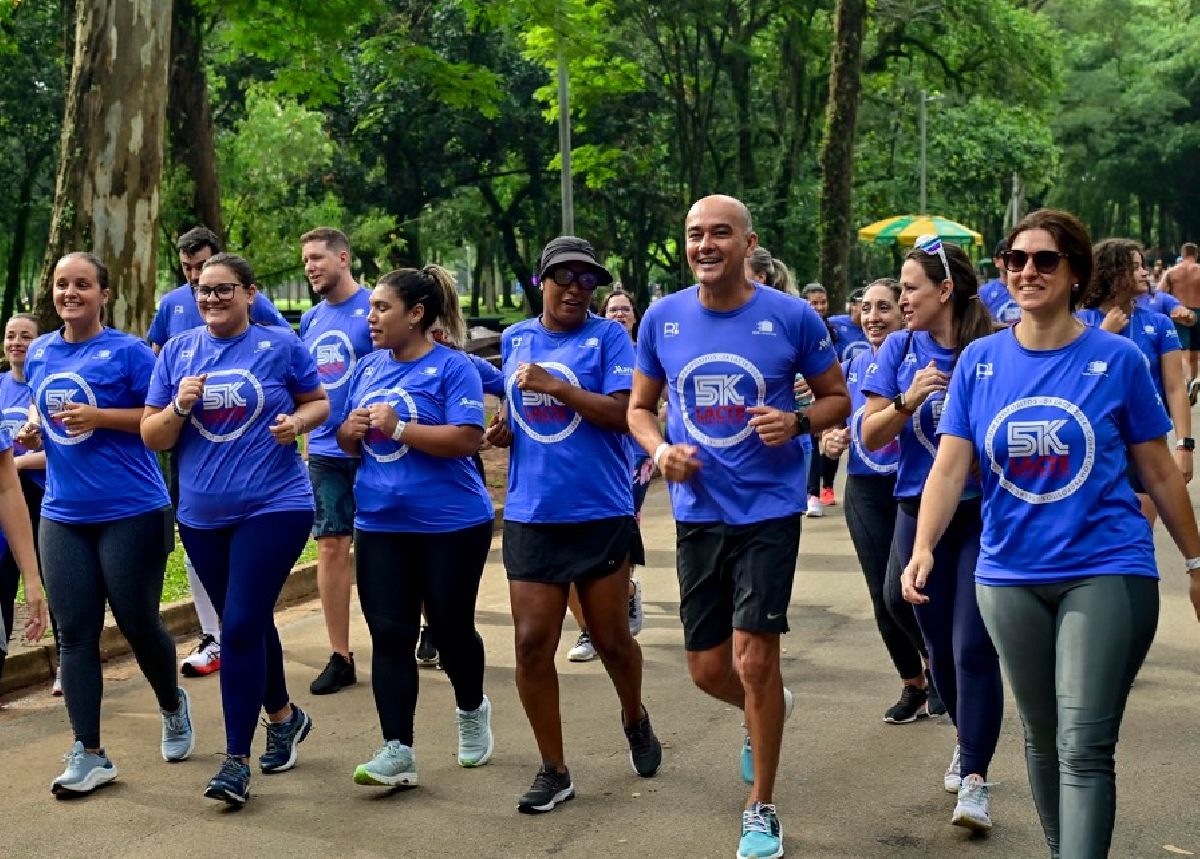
(20, 234)
(837, 155)
(110, 166)
(189, 118)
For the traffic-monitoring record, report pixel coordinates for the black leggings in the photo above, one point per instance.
(821, 470)
(871, 519)
(397, 573)
(10, 574)
(123, 562)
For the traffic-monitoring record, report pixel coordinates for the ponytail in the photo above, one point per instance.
(451, 316)
(431, 287)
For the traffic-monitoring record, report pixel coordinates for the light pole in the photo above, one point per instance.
(925, 100)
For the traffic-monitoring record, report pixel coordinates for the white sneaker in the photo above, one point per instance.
(56, 688)
(974, 808)
(584, 650)
(637, 615)
(815, 508)
(952, 780)
(204, 660)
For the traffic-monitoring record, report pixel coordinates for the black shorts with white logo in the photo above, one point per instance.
(562, 553)
(735, 577)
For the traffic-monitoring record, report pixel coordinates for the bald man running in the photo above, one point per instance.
(727, 350)
(1183, 282)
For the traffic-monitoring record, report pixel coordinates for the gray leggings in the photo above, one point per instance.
(122, 562)
(1071, 651)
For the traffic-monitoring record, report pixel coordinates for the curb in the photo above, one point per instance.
(37, 665)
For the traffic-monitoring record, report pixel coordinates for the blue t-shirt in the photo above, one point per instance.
(338, 337)
(399, 488)
(848, 339)
(865, 462)
(230, 466)
(490, 375)
(562, 468)
(15, 398)
(1159, 302)
(999, 302)
(891, 372)
(177, 312)
(716, 365)
(103, 474)
(1050, 429)
(1153, 334)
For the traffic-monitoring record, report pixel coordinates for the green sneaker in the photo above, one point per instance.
(392, 765)
(475, 740)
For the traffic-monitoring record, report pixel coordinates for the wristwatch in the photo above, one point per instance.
(399, 430)
(1185, 444)
(898, 402)
(183, 413)
(803, 424)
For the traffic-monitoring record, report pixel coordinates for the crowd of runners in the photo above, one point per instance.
(1006, 448)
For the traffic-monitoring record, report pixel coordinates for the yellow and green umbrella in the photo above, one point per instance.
(903, 230)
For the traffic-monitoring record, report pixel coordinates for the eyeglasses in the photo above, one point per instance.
(933, 245)
(587, 280)
(1046, 262)
(223, 291)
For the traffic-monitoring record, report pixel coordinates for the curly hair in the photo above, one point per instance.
(1113, 276)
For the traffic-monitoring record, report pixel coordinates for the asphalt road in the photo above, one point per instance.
(850, 785)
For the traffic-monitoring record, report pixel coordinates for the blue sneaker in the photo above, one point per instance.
(231, 784)
(84, 773)
(392, 765)
(282, 740)
(762, 836)
(475, 739)
(178, 738)
(747, 759)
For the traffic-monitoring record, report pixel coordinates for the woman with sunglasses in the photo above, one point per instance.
(568, 518)
(871, 513)
(1109, 304)
(423, 525)
(232, 397)
(905, 387)
(1066, 579)
(618, 306)
(107, 524)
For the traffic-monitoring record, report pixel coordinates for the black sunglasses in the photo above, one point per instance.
(587, 280)
(1046, 262)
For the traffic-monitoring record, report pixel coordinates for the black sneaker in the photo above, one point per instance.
(909, 708)
(426, 653)
(645, 751)
(338, 674)
(936, 706)
(549, 788)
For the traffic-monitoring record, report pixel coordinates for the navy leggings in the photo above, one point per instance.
(243, 568)
(962, 660)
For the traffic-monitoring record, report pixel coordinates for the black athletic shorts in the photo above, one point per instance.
(735, 577)
(559, 554)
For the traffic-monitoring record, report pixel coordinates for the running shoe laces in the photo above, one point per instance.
(231, 769)
(472, 726)
(206, 641)
(754, 819)
(547, 779)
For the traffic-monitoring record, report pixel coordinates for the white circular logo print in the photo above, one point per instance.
(335, 358)
(543, 417)
(57, 391)
(867, 456)
(925, 421)
(232, 400)
(378, 445)
(714, 392)
(1048, 447)
(853, 350)
(13, 418)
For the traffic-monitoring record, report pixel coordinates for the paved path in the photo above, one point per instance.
(850, 786)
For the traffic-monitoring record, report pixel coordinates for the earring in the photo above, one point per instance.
(411, 326)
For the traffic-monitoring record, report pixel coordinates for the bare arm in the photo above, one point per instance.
(34, 460)
(882, 421)
(14, 519)
(831, 404)
(160, 427)
(939, 500)
(1177, 405)
(312, 410)
(677, 462)
(1163, 481)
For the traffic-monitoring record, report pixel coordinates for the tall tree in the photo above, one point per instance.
(110, 167)
(189, 119)
(837, 154)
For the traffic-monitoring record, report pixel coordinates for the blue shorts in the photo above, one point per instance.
(333, 489)
(1189, 335)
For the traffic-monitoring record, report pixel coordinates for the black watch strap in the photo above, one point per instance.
(803, 424)
(1186, 443)
(898, 402)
